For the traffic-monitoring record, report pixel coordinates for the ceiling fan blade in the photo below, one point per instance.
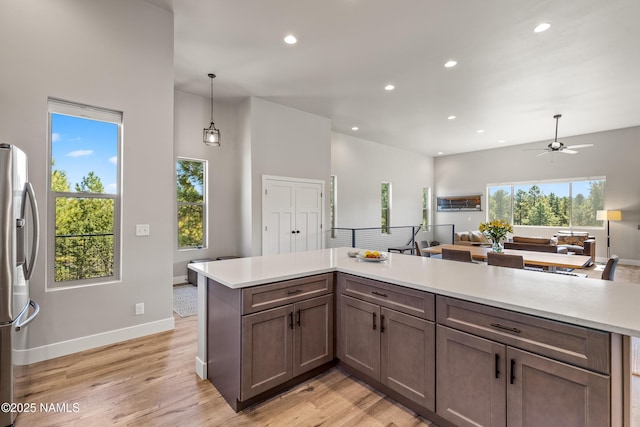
(579, 146)
(543, 153)
(534, 149)
(567, 151)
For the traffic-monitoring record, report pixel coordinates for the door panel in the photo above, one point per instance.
(292, 216)
(471, 375)
(550, 393)
(308, 215)
(407, 362)
(313, 333)
(359, 336)
(267, 346)
(279, 217)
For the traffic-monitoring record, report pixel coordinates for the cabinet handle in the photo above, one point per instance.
(497, 365)
(380, 294)
(506, 328)
(512, 376)
(291, 320)
(382, 323)
(374, 321)
(298, 321)
(294, 291)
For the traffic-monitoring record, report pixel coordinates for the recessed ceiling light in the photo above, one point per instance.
(440, 153)
(501, 141)
(480, 131)
(541, 27)
(389, 87)
(355, 128)
(450, 63)
(451, 117)
(290, 39)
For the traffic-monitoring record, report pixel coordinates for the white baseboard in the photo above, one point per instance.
(201, 369)
(180, 279)
(63, 348)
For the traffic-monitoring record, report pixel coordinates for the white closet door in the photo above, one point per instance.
(279, 216)
(292, 215)
(308, 216)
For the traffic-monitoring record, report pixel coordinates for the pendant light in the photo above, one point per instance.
(211, 135)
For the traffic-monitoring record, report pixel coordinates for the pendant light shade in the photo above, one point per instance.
(211, 135)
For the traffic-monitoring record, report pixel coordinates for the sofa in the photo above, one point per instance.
(578, 242)
(470, 238)
(538, 244)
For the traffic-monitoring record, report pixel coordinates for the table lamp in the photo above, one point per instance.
(608, 216)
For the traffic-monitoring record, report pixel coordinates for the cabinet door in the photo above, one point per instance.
(313, 333)
(470, 377)
(544, 392)
(407, 361)
(267, 346)
(359, 345)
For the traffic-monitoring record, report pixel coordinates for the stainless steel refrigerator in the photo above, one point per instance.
(19, 236)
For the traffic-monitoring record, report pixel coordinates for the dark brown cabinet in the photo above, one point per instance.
(386, 345)
(284, 342)
(488, 381)
(265, 338)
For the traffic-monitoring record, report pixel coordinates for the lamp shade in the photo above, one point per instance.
(609, 215)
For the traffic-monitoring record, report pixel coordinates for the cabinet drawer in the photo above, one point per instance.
(405, 300)
(263, 297)
(584, 347)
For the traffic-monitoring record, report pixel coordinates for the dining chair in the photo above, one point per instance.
(610, 268)
(456, 255)
(504, 260)
(420, 245)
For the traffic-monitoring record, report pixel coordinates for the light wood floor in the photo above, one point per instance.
(152, 381)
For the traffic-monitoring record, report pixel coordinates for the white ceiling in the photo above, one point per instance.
(509, 80)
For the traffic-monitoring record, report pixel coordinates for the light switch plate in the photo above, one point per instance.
(142, 229)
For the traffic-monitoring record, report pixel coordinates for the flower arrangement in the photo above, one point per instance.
(495, 231)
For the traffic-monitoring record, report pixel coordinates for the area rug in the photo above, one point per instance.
(185, 300)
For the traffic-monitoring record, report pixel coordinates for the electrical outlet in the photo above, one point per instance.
(142, 229)
(139, 308)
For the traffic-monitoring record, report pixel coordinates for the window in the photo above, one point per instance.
(84, 203)
(332, 204)
(192, 208)
(551, 203)
(385, 194)
(426, 208)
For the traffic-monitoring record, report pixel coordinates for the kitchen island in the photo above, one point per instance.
(580, 316)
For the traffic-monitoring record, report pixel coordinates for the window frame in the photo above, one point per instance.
(385, 213)
(204, 203)
(571, 196)
(83, 111)
(333, 210)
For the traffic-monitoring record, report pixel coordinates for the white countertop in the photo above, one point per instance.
(599, 304)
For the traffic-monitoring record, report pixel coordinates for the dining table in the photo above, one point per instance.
(550, 260)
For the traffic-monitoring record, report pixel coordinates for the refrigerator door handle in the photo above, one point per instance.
(29, 193)
(22, 323)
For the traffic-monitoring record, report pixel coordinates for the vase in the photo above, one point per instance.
(497, 246)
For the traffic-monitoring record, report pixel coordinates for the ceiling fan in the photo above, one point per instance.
(557, 146)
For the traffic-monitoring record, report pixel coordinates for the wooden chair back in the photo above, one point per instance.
(456, 255)
(504, 260)
(610, 269)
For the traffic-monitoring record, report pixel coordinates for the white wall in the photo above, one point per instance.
(117, 55)
(614, 155)
(360, 167)
(283, 141)
(192, 115)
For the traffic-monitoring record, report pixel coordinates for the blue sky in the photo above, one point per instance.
(80, 146)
